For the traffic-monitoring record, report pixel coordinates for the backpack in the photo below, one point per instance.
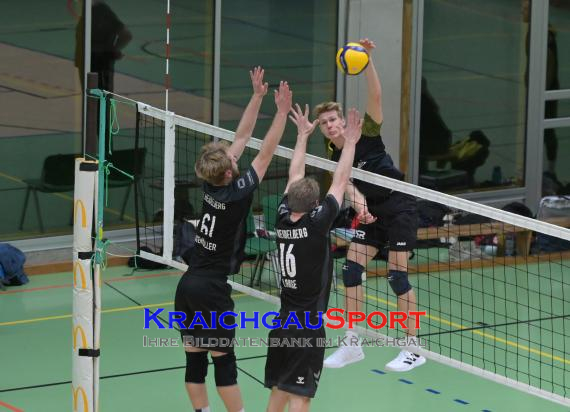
(518, 208)
(552, 207)
(470, 153)
(12, 263)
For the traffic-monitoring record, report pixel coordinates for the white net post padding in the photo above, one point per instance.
(96, 331)
(85, 336)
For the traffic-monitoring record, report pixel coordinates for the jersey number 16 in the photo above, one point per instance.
(287, 260)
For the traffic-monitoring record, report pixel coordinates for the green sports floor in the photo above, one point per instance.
(35, 358)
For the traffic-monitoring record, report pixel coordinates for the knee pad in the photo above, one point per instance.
(196, 367)
(399, 282)
(352, 273)
(225, 369)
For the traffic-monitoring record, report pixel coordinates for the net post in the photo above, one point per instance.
(89, 191)
(90, 147)
(100, 196)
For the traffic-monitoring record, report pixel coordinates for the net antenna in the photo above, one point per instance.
(167, 54)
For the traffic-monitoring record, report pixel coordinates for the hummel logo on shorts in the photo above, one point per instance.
(317, 377)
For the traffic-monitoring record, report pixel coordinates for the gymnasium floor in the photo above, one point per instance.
(35, 359)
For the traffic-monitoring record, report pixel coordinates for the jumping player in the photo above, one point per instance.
(385, 217)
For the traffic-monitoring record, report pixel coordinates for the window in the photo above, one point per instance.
(473, 102)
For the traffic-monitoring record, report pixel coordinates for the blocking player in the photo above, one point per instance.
(385, 217)
(303, 241)
(220, 244)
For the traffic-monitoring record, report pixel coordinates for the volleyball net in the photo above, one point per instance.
(493, 283)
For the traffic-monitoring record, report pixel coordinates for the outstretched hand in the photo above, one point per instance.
(368, 44)
(353, 129)
(304, 126)
(259, 87)
(283, 98)
(365, 217)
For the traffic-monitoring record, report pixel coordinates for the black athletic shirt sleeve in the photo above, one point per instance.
(238, 189)
(283, 209)
(244, 185)
(323, 216)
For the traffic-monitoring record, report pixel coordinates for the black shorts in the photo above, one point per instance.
(206, 294)
(295, 369)
(396, 225)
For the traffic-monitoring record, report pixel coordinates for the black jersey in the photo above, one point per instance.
(221, 231)
(304, 257)
(370, 155)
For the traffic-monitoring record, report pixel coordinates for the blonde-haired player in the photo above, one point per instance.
(219, 249)
(386, 218)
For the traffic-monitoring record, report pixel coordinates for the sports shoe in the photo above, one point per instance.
(344, 355)
(405, 361)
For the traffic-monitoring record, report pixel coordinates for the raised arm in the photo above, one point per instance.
(374, 101)
(249, 116)
(304, 130)
(352, 135)
(283, 98)
(355, 198)
(358, 202)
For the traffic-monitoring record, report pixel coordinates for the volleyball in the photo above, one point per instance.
(352, 58)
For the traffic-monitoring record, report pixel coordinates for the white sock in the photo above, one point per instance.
(205, 409)
(412, 344)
